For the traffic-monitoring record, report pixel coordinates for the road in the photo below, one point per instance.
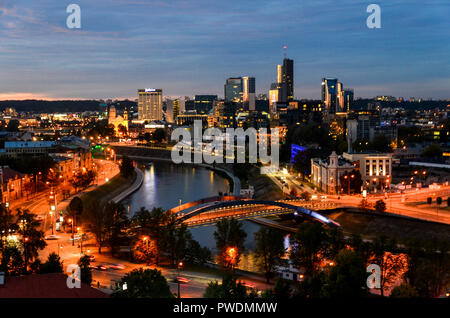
(195, 288)
(409, 203)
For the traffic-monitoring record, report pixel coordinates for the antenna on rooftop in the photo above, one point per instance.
(284, 50)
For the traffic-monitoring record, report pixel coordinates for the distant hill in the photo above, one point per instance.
(407, 105)
(51, 106)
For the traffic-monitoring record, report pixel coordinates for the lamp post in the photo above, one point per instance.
(73, 241)
(51, 218)
(180, 265)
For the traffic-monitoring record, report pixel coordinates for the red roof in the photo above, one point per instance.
(45, 286)
(9, 173)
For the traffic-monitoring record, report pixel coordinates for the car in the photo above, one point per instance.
(91, 257)
(75, 237)
(248, 285)
(52, 237)
(100, 267)
(181, 280)
(116, 266)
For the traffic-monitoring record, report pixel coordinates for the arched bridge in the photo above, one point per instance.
(210, 210)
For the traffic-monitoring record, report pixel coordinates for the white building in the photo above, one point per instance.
(375, 168)
(326, 174)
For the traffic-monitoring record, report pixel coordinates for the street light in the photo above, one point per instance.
(51, 217)
(180, 265)
(73, 240)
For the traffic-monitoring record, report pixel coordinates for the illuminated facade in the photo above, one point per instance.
(326, 174)
(150, 104)
(117, 121)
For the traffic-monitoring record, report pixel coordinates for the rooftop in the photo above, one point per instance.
(45, 286)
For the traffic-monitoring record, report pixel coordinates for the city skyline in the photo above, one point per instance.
(176, 46)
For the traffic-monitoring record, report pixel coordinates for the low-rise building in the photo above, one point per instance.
(326, 174)
(375, 168)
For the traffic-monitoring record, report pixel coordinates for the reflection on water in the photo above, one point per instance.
(165, 184)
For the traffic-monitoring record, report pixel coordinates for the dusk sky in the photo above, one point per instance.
(189, 47)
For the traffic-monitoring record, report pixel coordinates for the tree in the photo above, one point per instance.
(230, 238)
(404, 291)
(97, 219)
(302, 162)
(52, 265)
(391, 264)
(7, 223)
(432, 151)
(351, 179)
(293, 192)
(281, 290)
(85, 270)
(145, 251)
(122, 130)
(306, 196)
(381, 143)
(429, 200)
(438, 200)
(32, 239)
(75, 209)
(126, 167)
(195, 254)
(308, 244)
(364, 204)
(153, 224)
(176, 240)
(230, 288)
(380, 206)
(140, 283)
(159, 135)
(347, 278)
(116, 224)
(269, 249)
(428, 264)
(13, 125)
(12, 260)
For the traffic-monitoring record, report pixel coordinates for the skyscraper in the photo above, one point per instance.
(150, 104)
(248, 88)
(329, 94)
(233, 90)
(288, 80)
(204, 103)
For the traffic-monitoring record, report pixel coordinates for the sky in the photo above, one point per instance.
(188, 47)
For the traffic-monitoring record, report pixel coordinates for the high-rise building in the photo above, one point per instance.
(204, 103)
(329, 95)
(288, 80)
(279, 73)
(347, 100)
(150, 104)
(233, 90)
(274, 96)
(248, 94)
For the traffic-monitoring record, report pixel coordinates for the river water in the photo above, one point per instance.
(166, 183)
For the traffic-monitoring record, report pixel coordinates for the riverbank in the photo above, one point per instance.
(115, 189)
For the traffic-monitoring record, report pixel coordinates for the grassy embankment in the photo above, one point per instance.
(108, 190)
(370, 225)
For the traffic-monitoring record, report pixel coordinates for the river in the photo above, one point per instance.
(166, 183)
